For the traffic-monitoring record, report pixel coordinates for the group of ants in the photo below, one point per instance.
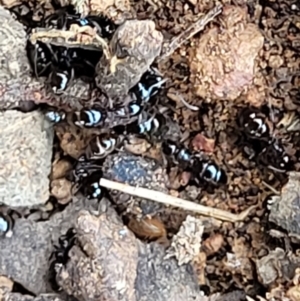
(60, 65)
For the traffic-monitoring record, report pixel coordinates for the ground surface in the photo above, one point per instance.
(252, 60)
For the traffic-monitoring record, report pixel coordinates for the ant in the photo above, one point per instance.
(201, 169)
(60, 255)
(258, 134)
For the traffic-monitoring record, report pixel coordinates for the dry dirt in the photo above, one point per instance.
(248, 55)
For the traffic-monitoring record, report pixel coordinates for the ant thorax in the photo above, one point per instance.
(254, 123)
(88, 118)
(150, 85)
(131, 110)
(213, 174)
(59, 81)
(91, 186)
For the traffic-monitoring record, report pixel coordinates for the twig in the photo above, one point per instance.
(166, 199)
(179, 97)
(189, 32)
(75, 37)
(276, 192)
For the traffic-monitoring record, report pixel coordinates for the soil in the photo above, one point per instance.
(248, 56)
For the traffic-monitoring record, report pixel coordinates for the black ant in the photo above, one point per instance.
(83, 169)
(267, 150)
(133, 109)
(40, 57)
(210, 172)
(86, 175)
(44, 60)
(254, 124)
(201, 169)
(178, 154)
(60, 255)
(61, 64)
(153, 126)
(148, 86)
(91, 188)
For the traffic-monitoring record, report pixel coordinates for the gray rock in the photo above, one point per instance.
(24, 257)
(25, 159)
(285, 209)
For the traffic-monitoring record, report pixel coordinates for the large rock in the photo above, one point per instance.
(223, 62)
(24, 257)
(25, 158)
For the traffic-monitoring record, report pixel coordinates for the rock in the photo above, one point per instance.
(25, 159)
(106, 267)
(186, 243)
(16, 83)
(136, 170)
(222, 63)
(285, 209)
(108, 263)
(277, 266)
(134, 46)
(161, 279)
(10, 296)
(24, 257)
(233, 296)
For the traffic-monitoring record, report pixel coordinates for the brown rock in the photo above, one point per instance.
(107, 268)
(222, 64)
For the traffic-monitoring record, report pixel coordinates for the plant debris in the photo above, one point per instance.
(148, 228)
(186, 243)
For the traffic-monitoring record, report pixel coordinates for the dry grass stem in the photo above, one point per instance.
(198, 26)
(166, 199)
(80, 37)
